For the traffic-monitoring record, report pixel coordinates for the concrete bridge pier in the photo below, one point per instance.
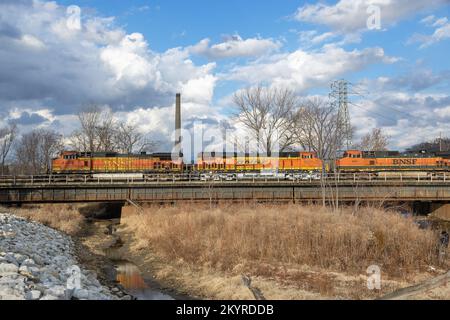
(128, 210)
(440, 210)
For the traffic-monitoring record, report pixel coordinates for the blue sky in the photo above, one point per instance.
(132, 56)
(167, 24)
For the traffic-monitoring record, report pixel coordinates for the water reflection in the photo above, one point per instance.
(129, 276)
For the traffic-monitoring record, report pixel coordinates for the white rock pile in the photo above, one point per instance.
(36, 263)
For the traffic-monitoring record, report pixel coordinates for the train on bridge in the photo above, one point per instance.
(350, 161)
(285, 163)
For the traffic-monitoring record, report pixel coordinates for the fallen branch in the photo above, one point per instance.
(247, 281)
(417, 289)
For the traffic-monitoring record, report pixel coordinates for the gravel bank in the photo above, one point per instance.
(39, 263)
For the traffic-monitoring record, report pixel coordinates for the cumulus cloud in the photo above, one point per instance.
(396, 105)
(416, 80)
(158, 123)
(313, 37)
(30, 119)
(407, 118)
(44, 60)
(50, 70)
(441, 32)
(301, 70)
(234, 46)
(349, 16)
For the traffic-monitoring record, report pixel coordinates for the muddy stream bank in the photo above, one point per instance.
(103, 237)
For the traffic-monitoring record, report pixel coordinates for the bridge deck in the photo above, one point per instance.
(83, 189)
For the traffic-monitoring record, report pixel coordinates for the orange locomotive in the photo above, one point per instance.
(352, 160)
(86, 162)
(355, 160)
(287, 161)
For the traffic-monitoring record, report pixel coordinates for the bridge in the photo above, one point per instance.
(166, 188)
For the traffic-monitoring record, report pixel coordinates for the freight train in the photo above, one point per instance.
(350, 161)
(287, 163)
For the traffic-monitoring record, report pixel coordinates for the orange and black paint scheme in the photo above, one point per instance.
(288, 161)
(79, 162)
(351, 161)
(355, 160)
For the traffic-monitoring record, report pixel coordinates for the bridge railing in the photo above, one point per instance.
(303, 178)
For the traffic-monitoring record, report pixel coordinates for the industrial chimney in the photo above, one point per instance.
(178, 125)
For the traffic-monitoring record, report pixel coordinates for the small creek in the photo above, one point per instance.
(127, 274)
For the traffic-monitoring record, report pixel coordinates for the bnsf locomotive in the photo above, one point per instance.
(99, 162)
(351, 161)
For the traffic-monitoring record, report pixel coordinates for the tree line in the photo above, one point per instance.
(32, 152)
(311, 124)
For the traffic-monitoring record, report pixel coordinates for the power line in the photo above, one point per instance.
(362, 95)
(380, 115)
(366, 93)
(373, 112)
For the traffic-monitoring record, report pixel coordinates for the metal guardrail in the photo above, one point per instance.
(157, 179)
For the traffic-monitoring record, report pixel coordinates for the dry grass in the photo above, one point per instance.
(264, 239)
(65, 218)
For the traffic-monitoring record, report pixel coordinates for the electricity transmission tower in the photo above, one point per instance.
(339, 99)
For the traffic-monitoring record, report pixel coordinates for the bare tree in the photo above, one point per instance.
(89, 121)
(266, 112)
(106, 132)
(50, 145)
(128, 138)
(318, 129)
(440, 144)
(35, 151)
(79, 141)
(147, 145)
(7, 137)
(374, 141)
(97, 132)
(27, 158)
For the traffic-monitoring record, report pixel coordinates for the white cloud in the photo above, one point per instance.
(408, 116)
(199, 90)
(440, 22)
(32, 42)
(46, 63)
(301, 70)
(441, 33)
(416, 80)
(313, 37)
(235, 46)
(428, 20)
(350, 16)
(49, 71)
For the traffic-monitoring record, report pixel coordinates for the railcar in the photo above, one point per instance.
(356, 160)
(234, 162)
(288, 162)
(98, 162)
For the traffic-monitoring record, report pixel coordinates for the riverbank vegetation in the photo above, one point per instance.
(231, 236)
(290, 251)
(63, 217)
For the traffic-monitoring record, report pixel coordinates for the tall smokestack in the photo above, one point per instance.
(178, 124)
